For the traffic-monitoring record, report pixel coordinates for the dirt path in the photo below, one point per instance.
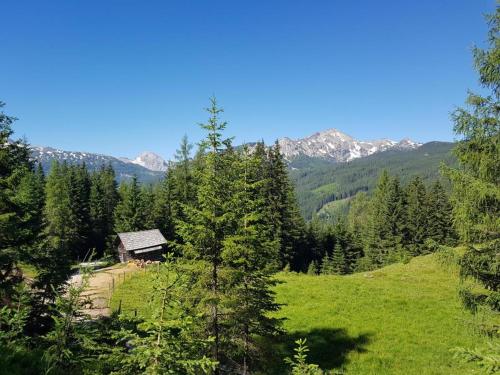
(101, 286)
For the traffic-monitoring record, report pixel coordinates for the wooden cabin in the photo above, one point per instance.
(146, 245)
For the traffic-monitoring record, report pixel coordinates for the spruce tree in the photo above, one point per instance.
(379, 229)
(103, 200)
(440, 220)
(338, 260)
(130, 211)
(16, 226)
(327, 266)
(165, 205)
(476, 184)
(386, 229)
(60, 230)
(78, 180)
(251, 257)
(207, 224)
(183, 173)
(287, 222)
(417, 215)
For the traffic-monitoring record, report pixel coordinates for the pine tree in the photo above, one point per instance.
(476, 184)
(183, 174)
(358, 220)
(165, 207)
(327, 266)
(312, 269)
(338, 260)
(130, 211)
(79, 191)
(440, 220)
(207, 224)
(103, 200)
(417, 216)
(287, 222)
(251, 258)
(149, 194)
(59, 228)
(386, 230)
(16, 228)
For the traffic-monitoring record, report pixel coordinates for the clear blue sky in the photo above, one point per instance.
(121, 77)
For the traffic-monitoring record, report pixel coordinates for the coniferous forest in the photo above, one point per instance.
(234, 232)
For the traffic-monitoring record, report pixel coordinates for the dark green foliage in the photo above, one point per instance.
(208, 224)
(417, 216)
(440, 220)
(103, 200)
(286, 220)
(130, 213)
(386, 221)
(18, 216)
(318, 182)
(476, 184)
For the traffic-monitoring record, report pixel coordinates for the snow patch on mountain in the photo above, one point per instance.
(151, 161)
(337, 146)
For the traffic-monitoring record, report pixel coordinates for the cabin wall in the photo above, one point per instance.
(123, 254)
(126, 256)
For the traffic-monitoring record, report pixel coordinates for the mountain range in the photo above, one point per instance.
(148, 167)
(330, 145)
(336, 146)
(327, 167)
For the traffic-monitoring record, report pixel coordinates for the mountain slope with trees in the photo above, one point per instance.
(319, 182)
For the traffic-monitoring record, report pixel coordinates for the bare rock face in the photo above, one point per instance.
(151, 161)
(336, 146)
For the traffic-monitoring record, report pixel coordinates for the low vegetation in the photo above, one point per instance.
(401, 319)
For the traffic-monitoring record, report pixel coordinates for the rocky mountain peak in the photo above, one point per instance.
(336, 146)
(151, 161)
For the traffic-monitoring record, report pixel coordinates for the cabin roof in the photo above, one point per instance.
(141, 240)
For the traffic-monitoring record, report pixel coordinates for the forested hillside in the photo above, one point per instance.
(319, 182)
(408, 282)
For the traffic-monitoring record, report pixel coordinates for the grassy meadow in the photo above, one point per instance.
(402, 319)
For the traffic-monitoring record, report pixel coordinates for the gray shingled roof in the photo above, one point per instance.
(143, 239)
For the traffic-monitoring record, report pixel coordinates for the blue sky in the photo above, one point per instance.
(121, 77)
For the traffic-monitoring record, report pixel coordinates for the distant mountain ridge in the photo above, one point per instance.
(124, 168)
(336, 146)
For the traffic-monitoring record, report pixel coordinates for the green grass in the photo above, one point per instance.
(326, 189)
(402, 319)
(334, 209)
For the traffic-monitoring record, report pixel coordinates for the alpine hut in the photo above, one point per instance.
(146, 245)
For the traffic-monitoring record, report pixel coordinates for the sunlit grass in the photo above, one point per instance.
(402, 319)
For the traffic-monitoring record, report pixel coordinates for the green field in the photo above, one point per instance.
(402, 319)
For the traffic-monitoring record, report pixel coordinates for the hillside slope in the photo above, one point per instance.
(319, 182)
(402, 319)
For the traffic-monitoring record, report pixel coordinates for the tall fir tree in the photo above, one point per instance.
(251, 257)
(130, 211)
(440, 219)
(288, 224)
(476, 184)
(417, 215)
(165, 205)
(60, 230)
(206, 226)
(16, 207)
(338, 260)
(78, 180)
(103, 200)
